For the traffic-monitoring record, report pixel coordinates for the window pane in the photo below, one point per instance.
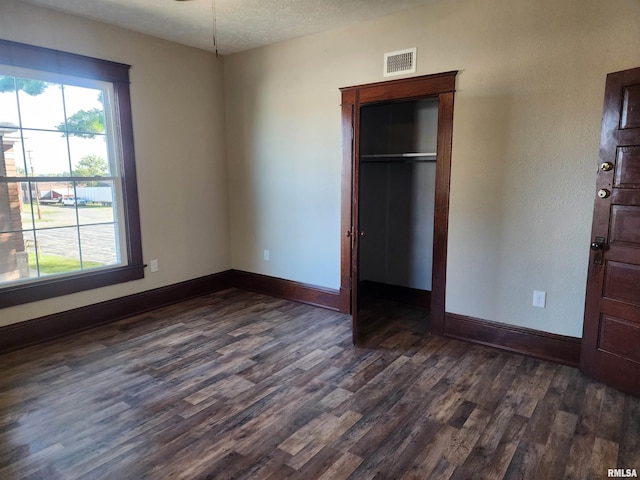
(40, 104)
(8, 102)
(46, 153)
(11, 207)
(27, 214)
(11, 157)
(14, 262)
(58, 250)
(14, 158)
(85, 111)
(46, 206)
(99, 246)
(51, 192)
(100, 206)
(89, 157)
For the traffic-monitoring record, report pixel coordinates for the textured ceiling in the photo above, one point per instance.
(241, 24)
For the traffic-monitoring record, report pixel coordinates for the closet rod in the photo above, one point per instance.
(397, 160)
(398, 155)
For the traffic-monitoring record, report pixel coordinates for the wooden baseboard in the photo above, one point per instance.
(397, 293)
(534, 343)
(38, 330)
(56, 325)
(548, 346)
(290, 290)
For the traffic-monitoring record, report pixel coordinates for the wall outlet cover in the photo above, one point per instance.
(539, 299)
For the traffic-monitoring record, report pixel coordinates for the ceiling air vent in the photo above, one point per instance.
(402, 61)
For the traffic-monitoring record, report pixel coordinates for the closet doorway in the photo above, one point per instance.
(395, 196)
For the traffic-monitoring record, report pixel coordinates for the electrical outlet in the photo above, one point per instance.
(266, 255)
(539, 299)
(154, 266)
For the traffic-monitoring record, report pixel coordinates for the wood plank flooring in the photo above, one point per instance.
(241, 385)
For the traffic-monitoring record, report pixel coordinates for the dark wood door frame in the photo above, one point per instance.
(441, 86)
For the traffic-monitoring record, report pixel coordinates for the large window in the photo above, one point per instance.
(68, 201)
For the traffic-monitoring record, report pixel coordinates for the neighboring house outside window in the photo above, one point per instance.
(69, 216)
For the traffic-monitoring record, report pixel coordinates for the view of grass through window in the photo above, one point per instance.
(58, 173)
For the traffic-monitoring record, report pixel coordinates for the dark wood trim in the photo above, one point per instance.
(441, 212)
(355, 217)
(397, 293)
(56, 325)
(55, 287)
(442, 86)
(534, 343)
(405, 88)
(344, 300)
(129, 173)
(54, 61)
(548, 346)
(346, 214)
(287, 289)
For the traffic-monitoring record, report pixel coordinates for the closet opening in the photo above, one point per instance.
(396, 139)
(398, 153)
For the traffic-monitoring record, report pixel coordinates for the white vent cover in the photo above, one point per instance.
(399, 62)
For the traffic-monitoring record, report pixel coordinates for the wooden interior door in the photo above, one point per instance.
(353, 98)
(611, 337)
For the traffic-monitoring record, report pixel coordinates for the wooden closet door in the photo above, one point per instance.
(610, 344)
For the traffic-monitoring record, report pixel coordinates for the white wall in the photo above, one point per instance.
(178, 125)
(284, 173)
(525, 145)
(526, 128)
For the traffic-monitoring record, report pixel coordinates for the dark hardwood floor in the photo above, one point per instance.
(241, 385)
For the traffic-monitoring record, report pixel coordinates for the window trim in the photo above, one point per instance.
(54, 61)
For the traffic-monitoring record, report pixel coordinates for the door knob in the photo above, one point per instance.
(362, 234)
(603, 193)
(606, 166)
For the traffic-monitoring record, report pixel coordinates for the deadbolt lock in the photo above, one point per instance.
(606, 166)
(598, 247)
(603, 193)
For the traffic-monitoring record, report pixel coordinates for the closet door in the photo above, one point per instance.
(349, 217)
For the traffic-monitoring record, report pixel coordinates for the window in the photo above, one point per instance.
(68, 200)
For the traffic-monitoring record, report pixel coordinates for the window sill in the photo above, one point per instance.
(58, 286)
